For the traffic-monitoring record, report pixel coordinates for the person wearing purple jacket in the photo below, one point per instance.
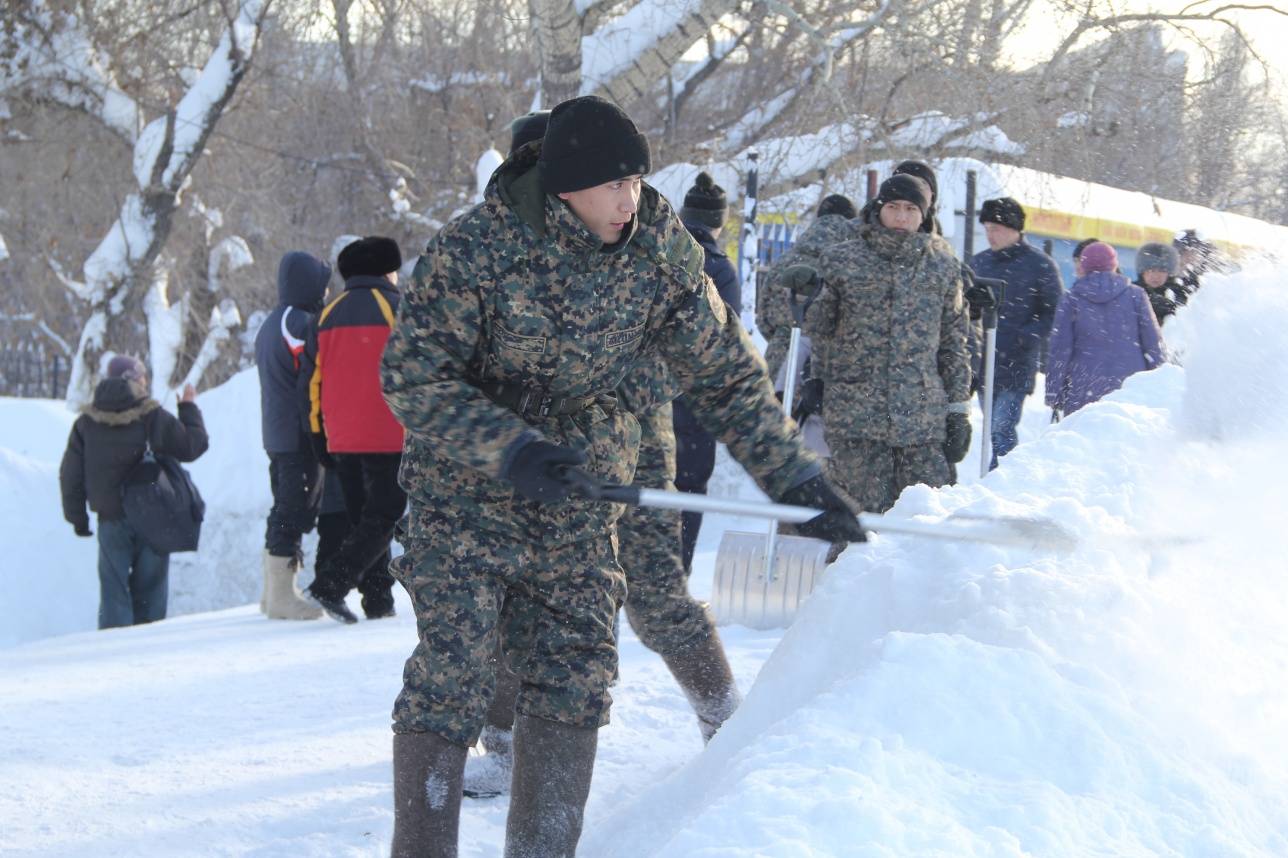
(1104, 331)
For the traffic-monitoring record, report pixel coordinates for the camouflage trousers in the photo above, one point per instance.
(874, 473)
(659, 608)
(658, 605)
(550, 608)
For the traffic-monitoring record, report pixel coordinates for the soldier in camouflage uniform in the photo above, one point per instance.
(773, 312)
(893, 318)
(524, 316)
(667, 619)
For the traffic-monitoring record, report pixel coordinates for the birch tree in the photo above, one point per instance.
(50, 56)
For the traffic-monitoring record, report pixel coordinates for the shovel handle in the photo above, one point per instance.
(1025, 533)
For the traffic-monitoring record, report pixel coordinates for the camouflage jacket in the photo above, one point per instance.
(773, 312)
(893, 319)
(517, 290)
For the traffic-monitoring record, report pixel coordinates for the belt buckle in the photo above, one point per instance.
(535, 403)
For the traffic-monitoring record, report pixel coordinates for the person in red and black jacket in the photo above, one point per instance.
(354, 428)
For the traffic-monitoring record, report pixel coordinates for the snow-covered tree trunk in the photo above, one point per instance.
(627, 57)
(556, 26)
(126, 296)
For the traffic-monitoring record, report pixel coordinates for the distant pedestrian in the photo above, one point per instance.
(703, 214)
(295, 475)
(105, 444)
(1158, 267)
(354, 430)
(1025, 314)
(1104, 332)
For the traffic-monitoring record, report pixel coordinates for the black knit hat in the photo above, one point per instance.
(1159, 256)
(528, 127)
(837, 204)
(922, 171)
(1003, 210)
(1083, 245)
(904, 187)
(705, 203)
(588, 142)
(374, 255)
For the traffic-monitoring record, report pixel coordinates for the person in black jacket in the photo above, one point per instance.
(1157, 268)
(295, 474)
(105, 444)
(1025, 314)
(704, 213)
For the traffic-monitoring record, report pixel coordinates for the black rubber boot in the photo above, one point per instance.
(553, 764)
(427, 795)
(704, 676)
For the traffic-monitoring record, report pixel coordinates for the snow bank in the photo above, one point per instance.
(1126, 698)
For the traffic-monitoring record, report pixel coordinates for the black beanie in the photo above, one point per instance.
(837, 204)
(921, 171)
(588, 142)
(528, 127)
(1003, 210)
(904, 187)
(374, 255)
(705, 203)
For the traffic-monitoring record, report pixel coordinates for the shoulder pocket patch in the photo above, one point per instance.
(510, 340)
(623, 338)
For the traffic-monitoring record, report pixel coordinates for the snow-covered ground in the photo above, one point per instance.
(1126, 698)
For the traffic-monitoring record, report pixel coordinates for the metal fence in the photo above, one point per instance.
(33, 370)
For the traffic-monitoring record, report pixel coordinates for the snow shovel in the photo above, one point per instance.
(761, 579)
(988, 298)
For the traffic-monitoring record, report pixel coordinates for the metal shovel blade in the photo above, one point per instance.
(742, 593)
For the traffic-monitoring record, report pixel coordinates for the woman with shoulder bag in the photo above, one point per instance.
(107, 442)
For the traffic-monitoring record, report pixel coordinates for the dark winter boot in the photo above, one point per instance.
(334, 606)
(552, 767)
(427, 795)
(704, 676)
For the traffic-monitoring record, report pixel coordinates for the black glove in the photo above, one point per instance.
(535, 471)
(82, 529)
(838, 523)
(811, 400)
(801, 279)
(958, 442)
(318, 442)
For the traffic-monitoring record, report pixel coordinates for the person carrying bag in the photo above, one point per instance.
(108, 448)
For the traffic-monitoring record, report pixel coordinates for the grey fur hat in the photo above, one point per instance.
(1159, 256)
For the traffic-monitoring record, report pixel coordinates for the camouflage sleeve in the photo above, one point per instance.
(726, 384)
(954, 354)
(425, 367)
(647, 387)
(822, 313)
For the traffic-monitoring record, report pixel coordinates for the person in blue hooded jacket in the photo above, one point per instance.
(293, 468)
(1104, 331)
(1025, 314)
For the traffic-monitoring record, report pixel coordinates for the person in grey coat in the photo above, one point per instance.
(1104, 331)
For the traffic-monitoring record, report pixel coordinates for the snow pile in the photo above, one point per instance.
(1126, 698)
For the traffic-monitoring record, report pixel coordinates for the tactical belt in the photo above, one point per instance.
(531, 402)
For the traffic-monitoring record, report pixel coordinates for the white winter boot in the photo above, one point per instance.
(281, 600)
(488, 774)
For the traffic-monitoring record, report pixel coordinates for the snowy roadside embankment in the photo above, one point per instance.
(948, 699)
